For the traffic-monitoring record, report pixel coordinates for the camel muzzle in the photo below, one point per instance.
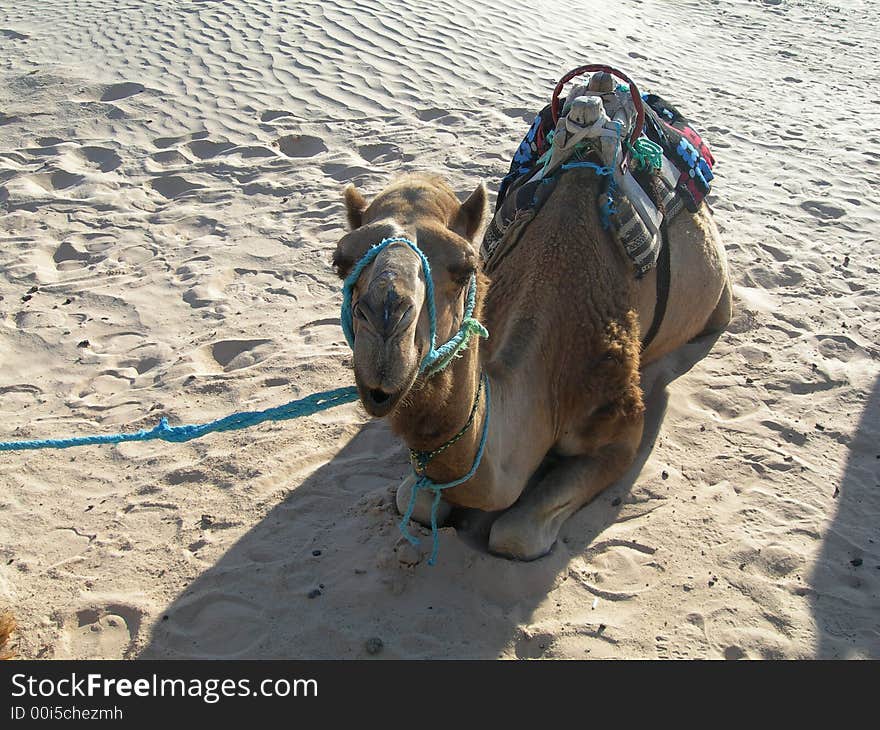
(384, 310)
(378, 395)
(385, 315)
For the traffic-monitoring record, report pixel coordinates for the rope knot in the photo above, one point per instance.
(475, 327)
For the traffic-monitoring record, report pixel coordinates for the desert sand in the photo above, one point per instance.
(170, 193)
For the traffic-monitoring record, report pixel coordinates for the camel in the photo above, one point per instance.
(563, 358)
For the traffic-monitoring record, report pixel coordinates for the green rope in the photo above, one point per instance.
(646, 154)
(469, 328)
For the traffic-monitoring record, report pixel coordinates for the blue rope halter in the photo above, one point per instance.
(437, 358)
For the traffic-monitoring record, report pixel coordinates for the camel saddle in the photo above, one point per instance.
(669, 168)
(653, 162)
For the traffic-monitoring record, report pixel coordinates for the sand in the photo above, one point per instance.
(170, 190)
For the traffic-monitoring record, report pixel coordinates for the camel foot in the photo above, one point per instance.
(529, 529)
(515, 534)
(424, 500)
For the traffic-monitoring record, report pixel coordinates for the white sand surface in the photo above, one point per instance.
(170, 193)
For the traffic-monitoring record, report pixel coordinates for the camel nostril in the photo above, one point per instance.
(379, 396)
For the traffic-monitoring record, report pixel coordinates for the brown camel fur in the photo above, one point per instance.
(564, 315)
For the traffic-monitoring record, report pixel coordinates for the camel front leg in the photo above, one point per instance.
(529, 529)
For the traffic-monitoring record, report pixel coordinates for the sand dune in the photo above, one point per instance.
(170, 189)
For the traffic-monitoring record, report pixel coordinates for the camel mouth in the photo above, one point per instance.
(379, 396)
(378, 402)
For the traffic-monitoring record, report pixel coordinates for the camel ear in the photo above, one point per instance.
(350, 248)
(353, 245)
(470, 217)
(355, 205)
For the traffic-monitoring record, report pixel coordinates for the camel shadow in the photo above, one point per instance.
(326, 575)
(845, 583)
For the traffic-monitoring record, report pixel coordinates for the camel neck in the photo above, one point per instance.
(445, 408)
(421, 459)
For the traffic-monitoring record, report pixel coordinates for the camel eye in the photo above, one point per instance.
(461, 270)
(461, 275)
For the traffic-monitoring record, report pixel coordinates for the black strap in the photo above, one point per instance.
(662, 288)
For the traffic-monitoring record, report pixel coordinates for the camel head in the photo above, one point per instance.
(390, 319)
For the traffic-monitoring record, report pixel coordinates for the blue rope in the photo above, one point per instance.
(178, 434)
(424, 482)
(600, 169)
(442, 356)
(607, 209)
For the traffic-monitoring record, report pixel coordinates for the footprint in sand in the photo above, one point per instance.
(44, 150)
(778, 561)
(164, 143)
(57, 180)
(823, 211)
(777, 253)
(202, 296)
(105, 159)
(345, 173)
(151, 523)
(205, 149)
(170, 157)
(272, 114)
(839, 347)
(19, 396)
(66, 544)
(186, 476)
(252, 151)
(216, 624)
(431, 113)
(121, 91)
(378, 153)
(67, 252)
(49, 141)
(533, 645)
(616, 570)
(301, 145)
(147, 356)
(520, 112)
(101, 632)
(173, 186)
(236, 354)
